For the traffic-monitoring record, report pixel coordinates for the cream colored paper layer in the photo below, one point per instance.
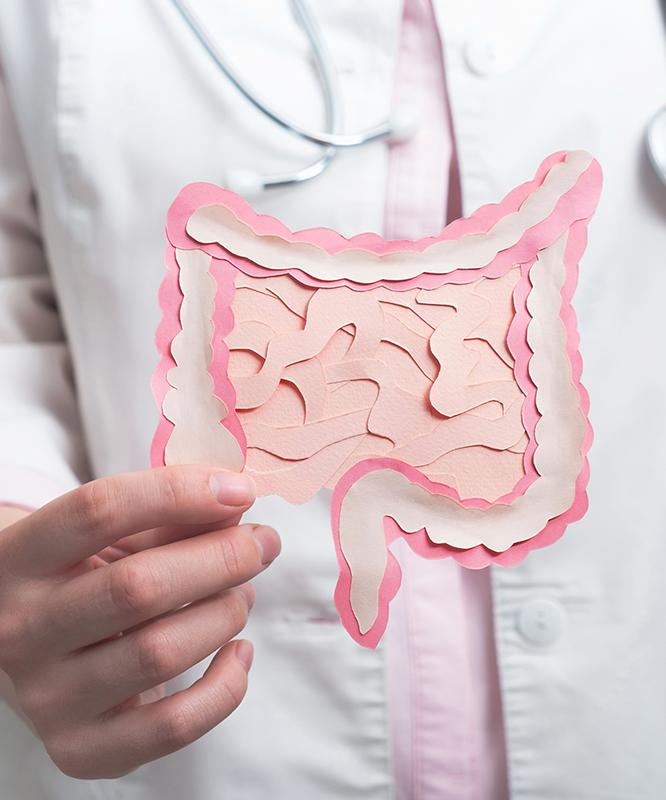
(191, 405)
(216, 223)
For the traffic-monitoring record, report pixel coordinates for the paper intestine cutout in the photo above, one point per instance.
(433, 385)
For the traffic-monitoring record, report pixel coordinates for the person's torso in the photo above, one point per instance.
(119, 107)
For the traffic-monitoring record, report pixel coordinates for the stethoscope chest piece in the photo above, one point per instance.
(655, 137)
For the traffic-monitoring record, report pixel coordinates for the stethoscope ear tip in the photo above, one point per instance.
(403, 124)
(245, 182)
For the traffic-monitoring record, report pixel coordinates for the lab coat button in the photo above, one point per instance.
(542, 621)
(481, 56)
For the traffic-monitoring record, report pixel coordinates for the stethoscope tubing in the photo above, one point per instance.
(322, 58)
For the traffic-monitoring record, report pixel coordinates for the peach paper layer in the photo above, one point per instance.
(433, 385)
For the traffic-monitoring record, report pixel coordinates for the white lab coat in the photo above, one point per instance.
(117, 107)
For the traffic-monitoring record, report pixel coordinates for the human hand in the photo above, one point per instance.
(116, 587)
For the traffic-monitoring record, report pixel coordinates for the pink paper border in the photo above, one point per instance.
(573, 210)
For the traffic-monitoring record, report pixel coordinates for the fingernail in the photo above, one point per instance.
(232, 488)
(248, 590)
(268, 541)
(245, 653)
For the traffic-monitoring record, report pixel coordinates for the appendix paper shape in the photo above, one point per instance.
(434, 385)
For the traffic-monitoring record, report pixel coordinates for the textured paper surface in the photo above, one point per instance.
(434, 385)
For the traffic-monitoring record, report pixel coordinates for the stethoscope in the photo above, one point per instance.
(248, 182)
(655, 133)
(655, 140)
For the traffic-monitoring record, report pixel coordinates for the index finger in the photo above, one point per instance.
(97, 514)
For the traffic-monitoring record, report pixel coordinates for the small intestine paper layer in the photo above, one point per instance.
(327, 377)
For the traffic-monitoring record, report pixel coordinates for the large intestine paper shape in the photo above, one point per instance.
(433, 385)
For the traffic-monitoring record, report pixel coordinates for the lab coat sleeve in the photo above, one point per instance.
(41, 442)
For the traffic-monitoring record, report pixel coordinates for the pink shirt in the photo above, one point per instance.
(445, 702)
